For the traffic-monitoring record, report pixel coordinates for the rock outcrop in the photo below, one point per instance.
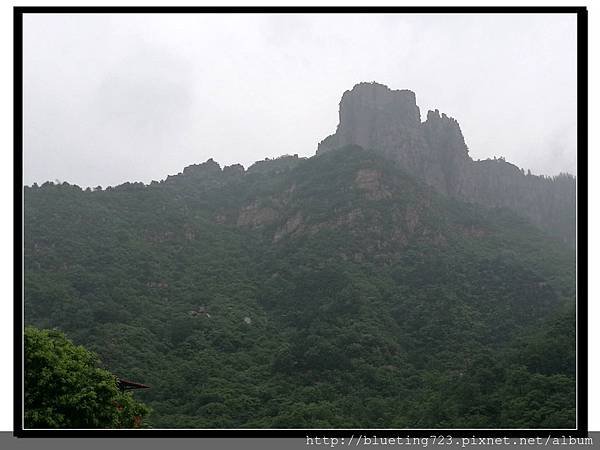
(388, 121)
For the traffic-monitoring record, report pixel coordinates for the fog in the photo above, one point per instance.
(113, 98)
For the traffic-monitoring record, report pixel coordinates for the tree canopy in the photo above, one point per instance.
(66, 388)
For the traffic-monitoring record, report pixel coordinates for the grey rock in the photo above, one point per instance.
(376, 117)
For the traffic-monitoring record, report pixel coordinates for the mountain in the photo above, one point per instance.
(343, 290)
(376, 117)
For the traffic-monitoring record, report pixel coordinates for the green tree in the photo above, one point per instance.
(65, 388)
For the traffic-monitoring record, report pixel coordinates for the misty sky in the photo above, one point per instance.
(115, 98)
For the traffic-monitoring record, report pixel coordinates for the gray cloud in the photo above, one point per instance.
(114, 98)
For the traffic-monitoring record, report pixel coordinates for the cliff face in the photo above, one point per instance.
(388, 121)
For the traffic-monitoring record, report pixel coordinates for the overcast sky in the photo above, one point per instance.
(115, 98)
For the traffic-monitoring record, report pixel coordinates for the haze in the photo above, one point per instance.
(135, 97)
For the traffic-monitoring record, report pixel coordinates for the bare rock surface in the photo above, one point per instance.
(376, 117)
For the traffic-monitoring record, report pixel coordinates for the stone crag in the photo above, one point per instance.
(388, 121)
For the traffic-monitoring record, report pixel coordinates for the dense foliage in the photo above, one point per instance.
(65, 388)
(334, 291)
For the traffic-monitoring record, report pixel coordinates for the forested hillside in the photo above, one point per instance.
(335, 291)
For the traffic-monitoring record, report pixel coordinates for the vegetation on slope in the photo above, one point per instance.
(335, 291)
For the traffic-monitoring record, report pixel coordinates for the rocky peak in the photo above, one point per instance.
(445, 140)
(210, 167)
(376, 117)
(234, 170)
(441, 123)
(447, 149)
(369, 108)
(376, 101)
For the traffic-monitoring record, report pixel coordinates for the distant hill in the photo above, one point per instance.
(338, 291)
(388, 121)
